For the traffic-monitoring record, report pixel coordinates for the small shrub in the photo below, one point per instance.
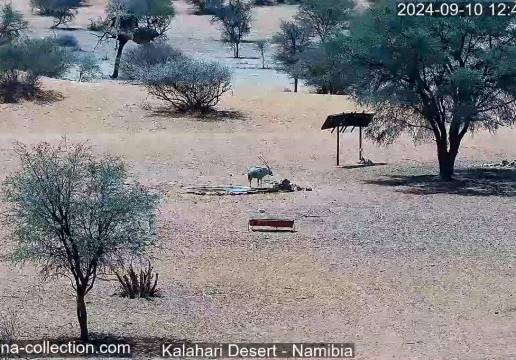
(88, 67)
(8, 327)
(142, 285)
(147, 55)
(67, 40)
(187, 84)
(263, 2)
(23, 63)
(97, 25)
(207, 7)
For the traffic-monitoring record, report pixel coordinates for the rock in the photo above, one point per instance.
(260, 211)
(308, 189)
(299, 188)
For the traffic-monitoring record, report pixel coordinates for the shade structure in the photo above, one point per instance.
(353, 119)
(344, 120)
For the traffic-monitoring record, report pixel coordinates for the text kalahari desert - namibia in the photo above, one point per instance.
(271, 350)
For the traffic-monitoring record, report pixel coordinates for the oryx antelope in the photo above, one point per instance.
(259, 172)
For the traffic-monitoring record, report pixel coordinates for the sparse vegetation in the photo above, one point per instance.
(63, 11)
(76, 215)
(292, 40)
(187, 84)
(24, 62)
(235, 23)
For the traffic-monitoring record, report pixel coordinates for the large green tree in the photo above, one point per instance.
(436, 78)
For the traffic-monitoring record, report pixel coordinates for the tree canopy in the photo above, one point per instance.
(436, 78)
(325, 17)
(77, 215)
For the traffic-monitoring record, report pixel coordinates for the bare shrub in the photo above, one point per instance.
(188, 84)
(142, 284)
(147, 55)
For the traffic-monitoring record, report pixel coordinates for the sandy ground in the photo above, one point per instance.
(403, 270)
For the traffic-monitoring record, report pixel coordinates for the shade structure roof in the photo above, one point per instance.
(353, 119)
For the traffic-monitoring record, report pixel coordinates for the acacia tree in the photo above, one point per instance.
(235, 20)
(75, 215)
(63, 11)
(435, 78)
(141, 21)
(292, 40)
(325, 17)
(12, 24)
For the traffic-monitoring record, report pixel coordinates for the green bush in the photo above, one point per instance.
(24, 62)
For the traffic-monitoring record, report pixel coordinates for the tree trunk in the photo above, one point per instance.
(82, 316)
(121, 44)
(235, 53)
(446, 166)
(295, 84)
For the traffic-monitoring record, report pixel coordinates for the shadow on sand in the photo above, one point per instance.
(213, 115)
(467, 182)
(45, 97)
(357, 166)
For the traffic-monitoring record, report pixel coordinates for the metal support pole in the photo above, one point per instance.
(338, 145)
(359, 143)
